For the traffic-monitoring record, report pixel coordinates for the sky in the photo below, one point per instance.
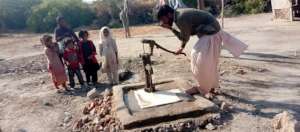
(89, 1)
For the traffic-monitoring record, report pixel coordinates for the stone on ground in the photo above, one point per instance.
(285, 122)
(210, 126)
(46, 103)
(93, 93)
(108, 92)
(241, 71)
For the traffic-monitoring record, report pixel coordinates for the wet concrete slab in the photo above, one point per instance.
(132, 116)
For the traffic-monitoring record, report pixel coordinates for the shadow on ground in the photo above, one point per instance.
(82, 92)
(261, 104)
(263, 55)
(266, 58)
(263, 84)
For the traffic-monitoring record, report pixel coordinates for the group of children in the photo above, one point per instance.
(82, 54)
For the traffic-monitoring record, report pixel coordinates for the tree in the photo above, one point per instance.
(113, 7)
(14, 13)
(237, 7)
(43, 17)
(107, 12)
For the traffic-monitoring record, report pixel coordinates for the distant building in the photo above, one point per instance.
(286, 9)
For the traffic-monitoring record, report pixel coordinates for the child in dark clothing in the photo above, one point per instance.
(72, 59)
(88, 53)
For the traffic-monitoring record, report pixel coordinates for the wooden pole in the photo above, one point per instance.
(126, 23)
(200, 4)
(222, 13)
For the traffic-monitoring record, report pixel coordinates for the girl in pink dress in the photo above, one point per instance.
(55, 65)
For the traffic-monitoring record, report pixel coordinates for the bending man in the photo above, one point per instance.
(205, 53)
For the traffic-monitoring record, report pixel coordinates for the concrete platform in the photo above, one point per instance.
(153, 99)
(132, 116)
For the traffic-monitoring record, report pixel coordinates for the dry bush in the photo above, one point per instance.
(107, 11)
(141, 11)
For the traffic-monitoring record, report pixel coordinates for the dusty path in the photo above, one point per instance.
(270, 83)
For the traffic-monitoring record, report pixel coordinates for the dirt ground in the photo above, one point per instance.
(262, 83)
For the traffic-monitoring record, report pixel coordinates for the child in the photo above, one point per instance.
(88, 53)
(109, 51)
(55, 65)
(71, 57)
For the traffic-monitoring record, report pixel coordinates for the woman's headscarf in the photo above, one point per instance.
(105, 39)
(107, 48)
(107, 42)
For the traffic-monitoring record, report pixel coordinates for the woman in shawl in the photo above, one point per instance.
(109, 52)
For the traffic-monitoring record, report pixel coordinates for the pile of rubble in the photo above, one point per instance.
(184, 126)
(98, 116)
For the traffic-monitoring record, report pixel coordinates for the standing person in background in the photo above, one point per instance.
(125, 19)
(88, 58)
(55, 65)
(63, 31)
(109, 52)
(72, 60)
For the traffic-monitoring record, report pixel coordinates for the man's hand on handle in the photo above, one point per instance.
(154, 44)
(179, 51)
(165, 26)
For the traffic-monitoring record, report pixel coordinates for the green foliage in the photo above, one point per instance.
(210, 5)
(40, 15)
(255, 6)
(233, 7)
(193, 3)
(115, 24)
(43, 16)
(237, 7)
(190, 3)
(14, 13)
